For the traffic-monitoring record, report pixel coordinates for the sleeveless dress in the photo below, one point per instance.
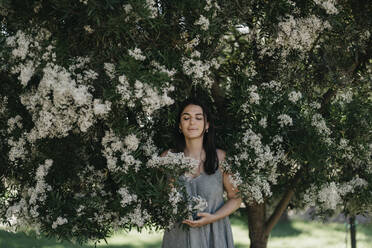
(215, 235)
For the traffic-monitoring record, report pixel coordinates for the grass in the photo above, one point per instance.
(293, 234)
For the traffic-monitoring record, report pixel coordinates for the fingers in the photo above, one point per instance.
(194, 223)
(198, 223)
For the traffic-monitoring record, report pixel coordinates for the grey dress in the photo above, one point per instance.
(215, 235)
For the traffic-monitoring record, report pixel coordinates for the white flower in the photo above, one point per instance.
(345, 96)
(242, 29)
(26, 72)
(131, 141)
(14, 122)
(124, 88)
(174, 198)
(139, 217)
(263, 122)
(294, 96)
(38, 193)
(109, 69)
(163, 69)
(254, 98)
(315, 105)
(235, 180)
(59, 222)
(285, 120)
(88, 29)
(329, 196)
(274, 85)
(299, 33)
(319, 122)
(200, 204)
(328, 5)
(152, 6)
(136, 54)
(192, 44)
(127, 8)
(100, 108)
(17, 150)
(203, 22)
(22, 42)
(42, 170)
(197, 69)
(126, 197)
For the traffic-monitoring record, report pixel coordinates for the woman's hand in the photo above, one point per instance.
(206, 218)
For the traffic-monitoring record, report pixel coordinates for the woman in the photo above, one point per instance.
(196, 139)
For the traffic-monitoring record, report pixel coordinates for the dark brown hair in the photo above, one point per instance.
(209, 145)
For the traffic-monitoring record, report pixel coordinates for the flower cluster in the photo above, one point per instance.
(14, 122)
(174, 161)
(59, 222)
(126, 197)
(328, 5)
(320, 124)
(198, 70)
(62, 99)
(163, 69)
(252, 155)
(25, 211)
(174, 198)
(285, 120)
(294, 96)
(18, 151)
(152, 7)
(71, 105)
(254, 97)
(118, 153)
(136, 54)
(3, 105)
(330, 195)
(199, 204)
(25, 49)
(299, 34)
(203, 22)
(149, 97)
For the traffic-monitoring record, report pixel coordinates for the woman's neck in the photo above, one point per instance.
(194, 148)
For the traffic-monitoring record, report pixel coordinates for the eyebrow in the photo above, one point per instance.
(190, 114)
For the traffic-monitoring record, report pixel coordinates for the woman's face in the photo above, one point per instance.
(192, 122)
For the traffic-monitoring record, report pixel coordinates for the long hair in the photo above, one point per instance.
(209, 144)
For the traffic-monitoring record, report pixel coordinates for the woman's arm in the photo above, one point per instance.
(228, 208)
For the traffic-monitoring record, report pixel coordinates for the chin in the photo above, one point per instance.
(194, 136)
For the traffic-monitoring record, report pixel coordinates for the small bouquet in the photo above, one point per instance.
(176, 203)
(198, 204)
(177, 162)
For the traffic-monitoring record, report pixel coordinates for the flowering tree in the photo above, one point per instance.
(89, 92)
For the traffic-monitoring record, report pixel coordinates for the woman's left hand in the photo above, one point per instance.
(206, 218)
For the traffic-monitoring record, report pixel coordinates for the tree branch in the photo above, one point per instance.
(282, 205)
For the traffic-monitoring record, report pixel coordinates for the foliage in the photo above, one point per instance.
(90, 89)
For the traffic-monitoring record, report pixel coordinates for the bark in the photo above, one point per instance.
(352, 231)
(259, 227)
(256, 225)
(282, 205)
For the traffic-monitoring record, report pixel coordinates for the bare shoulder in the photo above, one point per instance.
(221, 154)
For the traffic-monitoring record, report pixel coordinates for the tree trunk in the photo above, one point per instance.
(259, 227)
(256, 225)
(352, 231)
